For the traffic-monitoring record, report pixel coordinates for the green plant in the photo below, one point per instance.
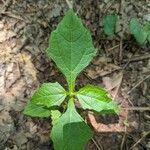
(140, 33)
(71, 49)
(109, 24)
(147, 30)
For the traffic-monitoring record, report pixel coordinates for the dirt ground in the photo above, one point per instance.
(25, 27)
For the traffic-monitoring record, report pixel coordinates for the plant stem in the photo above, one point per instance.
(71, 85)
(71, 103)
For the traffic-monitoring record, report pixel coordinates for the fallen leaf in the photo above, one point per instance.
(114, 81)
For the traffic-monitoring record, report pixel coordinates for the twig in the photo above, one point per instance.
(121, 40)
(112, 48)
(137, 108)
(121, 50)
(69, 3)
(127, 63)
(9, 14)
(138, 58)
(98, 147)
(123, 139)
(138, 84)
(108, 6)
(146, 134)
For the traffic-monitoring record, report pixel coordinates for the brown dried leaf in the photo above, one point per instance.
(114, 81)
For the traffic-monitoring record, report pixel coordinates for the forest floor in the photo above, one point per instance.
(122, 64)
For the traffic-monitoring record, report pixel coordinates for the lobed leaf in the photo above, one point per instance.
(70, 132)
(97, 99)
(49, 95)
(138, 31)
(35, 110)
(109, 23)
(71, 47)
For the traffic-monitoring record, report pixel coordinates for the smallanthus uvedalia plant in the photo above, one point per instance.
(109, 24)
(71, 48)
(140, 32)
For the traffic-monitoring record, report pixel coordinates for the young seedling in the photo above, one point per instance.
(109, 24)
(140, 33)
(71, 48)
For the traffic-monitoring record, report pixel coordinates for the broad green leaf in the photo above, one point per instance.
(71, 47)
(35, 110)
(147, 30)
(138, 31)
(70, 132)
(49, 95)
(96, 98)
(109, 24)
(55, 115)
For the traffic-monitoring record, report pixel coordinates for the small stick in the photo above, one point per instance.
(138, 58)
(123, 139)
(124, 136)
(138, 84)
(112, 48)
(137, 108)
(108, 5)
(98, 147)
(121, 50)
(9, 14)
(146, 134)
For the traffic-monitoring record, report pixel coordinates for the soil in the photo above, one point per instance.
(25, 27)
